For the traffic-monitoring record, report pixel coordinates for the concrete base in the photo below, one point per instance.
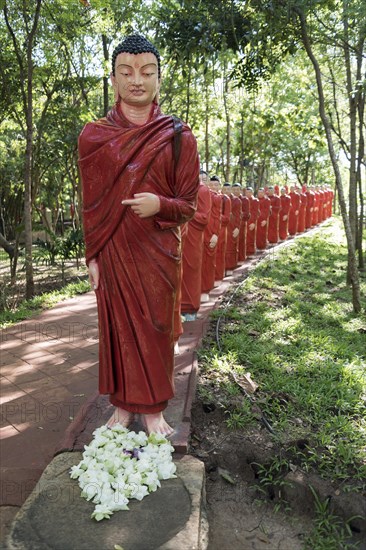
(55, 517)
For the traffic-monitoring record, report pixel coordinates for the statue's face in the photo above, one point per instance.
(136, 78)
(236, 190)
(248, 193)
(270, 192)
(215, 185)
(260, 194)
(226, 189)
(205, 179)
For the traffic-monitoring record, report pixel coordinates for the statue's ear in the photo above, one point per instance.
(157, 97)
(115, 87)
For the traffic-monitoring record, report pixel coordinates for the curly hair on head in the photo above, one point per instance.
(135, 44)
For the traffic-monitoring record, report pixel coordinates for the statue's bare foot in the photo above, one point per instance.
(156, 423)
(120, 416)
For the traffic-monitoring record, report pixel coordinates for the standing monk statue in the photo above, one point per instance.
(136, 194)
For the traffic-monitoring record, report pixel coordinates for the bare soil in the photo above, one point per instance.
(241, 514)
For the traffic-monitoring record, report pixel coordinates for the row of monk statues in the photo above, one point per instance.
(231, 224)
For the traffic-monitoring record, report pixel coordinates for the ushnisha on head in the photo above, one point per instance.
(136, 71)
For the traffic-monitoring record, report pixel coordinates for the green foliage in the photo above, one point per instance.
(45, 301)
(329, 530)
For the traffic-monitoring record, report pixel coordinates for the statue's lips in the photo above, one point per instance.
(137, 92)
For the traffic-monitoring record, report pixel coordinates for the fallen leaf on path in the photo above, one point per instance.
(225, 474)
(245, 382)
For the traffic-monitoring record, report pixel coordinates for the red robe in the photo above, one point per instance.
(193, 252)
(221, 246)
(293, 217)
(231, 256)
(274, 219)
(309, 208)
(245, 215)
(252, 233)
(262, 231)
(285, 211)
(315, 218)
(302, 213)
(209, 254)
(322, 206)
(139, 259)
(178, 325)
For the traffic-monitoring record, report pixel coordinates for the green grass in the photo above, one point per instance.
(292, 327)
(28, 308)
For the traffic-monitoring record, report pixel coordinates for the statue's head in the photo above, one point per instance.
(283, 190)
(236, 189)
(249, 191)
(204, 177)
(270, 191)
(226, 188)
(136, 70)
(215, 183)
(260, 193)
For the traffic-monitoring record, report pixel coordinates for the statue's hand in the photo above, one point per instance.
(263, 223)
(213, 241)
(93, 274)
(251, 226)
(235, 232)
(144, 204)
(284, 217)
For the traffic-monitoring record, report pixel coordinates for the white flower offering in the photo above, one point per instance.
(119, 465)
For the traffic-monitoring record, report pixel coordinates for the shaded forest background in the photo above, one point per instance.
(274, 92)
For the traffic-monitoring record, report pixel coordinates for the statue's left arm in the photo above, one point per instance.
(179, 209)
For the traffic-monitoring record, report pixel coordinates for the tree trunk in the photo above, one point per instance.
(355, 282)
(228, 126)
(188, 96)
(352, 114)
(241, 148)
(207, 120)
(29, 292)
(9, 249)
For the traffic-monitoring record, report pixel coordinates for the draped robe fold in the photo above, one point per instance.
(252, 233)
(245, 210)
(209, 254)
(293, 217)
(221, 246)
(138, 258)
(285, 211)
(309, 208)
(231, 255)
(274, 219)
(262, 231)
(193, 252)
(302, 213)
